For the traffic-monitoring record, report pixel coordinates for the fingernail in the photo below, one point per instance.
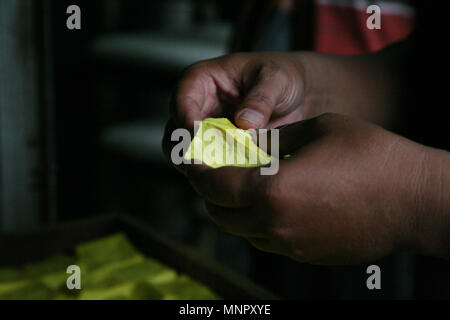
(251, 116)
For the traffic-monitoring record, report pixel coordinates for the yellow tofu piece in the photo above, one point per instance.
(219, 143)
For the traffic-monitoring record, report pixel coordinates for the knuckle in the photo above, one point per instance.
(259, 98)
(195, 70)
(272, 192)
(276, 233)
(272, 68)
(273, 73)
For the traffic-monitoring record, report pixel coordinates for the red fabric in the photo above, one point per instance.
(343, 30)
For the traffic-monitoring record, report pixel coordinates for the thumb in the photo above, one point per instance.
(261, 101)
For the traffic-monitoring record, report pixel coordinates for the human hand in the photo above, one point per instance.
(271, 89)
(256, 90)
(351, 193)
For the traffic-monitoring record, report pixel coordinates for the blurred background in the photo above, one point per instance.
(82, 114)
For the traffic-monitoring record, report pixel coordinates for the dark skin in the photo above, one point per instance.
(352, 192)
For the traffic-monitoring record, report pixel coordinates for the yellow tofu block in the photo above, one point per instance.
(135, 269)
(26, 290)
(106, 250)
(111, 269)
(219, 143)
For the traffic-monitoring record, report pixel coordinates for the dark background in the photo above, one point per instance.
(101, 101)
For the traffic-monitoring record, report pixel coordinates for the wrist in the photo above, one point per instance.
(432, 204)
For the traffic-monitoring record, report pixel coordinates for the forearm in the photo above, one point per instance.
(369, 87)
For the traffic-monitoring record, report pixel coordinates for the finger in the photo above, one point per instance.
(230, 187)
(267, 245)
(188, 100)
(202, 92)
(263, 97)
(240, 222)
